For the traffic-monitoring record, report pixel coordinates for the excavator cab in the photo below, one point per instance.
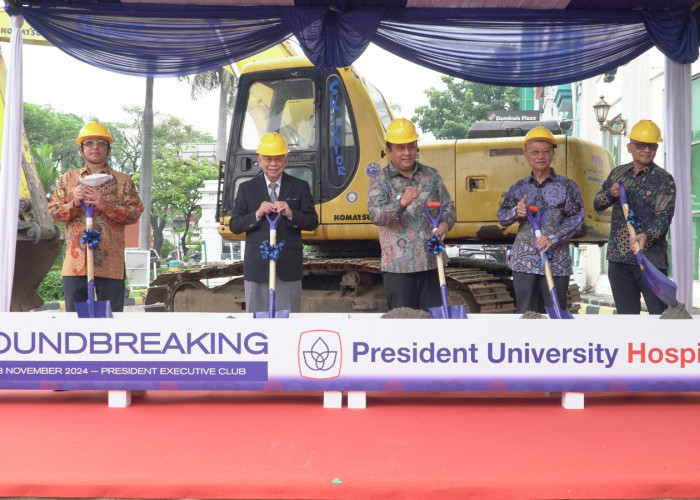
(311, 109)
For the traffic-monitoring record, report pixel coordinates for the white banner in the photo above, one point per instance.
(348, 352)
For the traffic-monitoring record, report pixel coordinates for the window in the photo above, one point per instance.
(285, 106)
(695, 171)
(379, 103)
(342, 150)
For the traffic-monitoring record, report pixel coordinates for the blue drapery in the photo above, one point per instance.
(523, 47)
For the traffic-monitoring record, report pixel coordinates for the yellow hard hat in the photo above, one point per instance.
(272, 144)
(401, 131)
(539, 133)
(94, 130)
(646, 131)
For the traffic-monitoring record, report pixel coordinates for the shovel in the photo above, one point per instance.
(92, 308)
(661, 285)
(555, 311)
(271, 253)
(445, 310)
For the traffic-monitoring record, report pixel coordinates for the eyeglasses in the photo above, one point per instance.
(538, 152)
(96, 143)
(641, 146)
(269, 160)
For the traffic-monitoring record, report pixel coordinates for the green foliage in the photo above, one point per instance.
(169, 132)
(207, 81)
(451, 112)
(45, 167)
(165, 249)
(51, 288)
(45, 126)
(175, 188)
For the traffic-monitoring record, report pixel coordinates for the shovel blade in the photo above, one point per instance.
(284, 313)
(271, 311)
(449, 312)
(556, 312)
(660, 285)
(446, 311)
(94, 309)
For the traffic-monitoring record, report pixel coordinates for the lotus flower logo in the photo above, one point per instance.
(320, 357)
(320, 354)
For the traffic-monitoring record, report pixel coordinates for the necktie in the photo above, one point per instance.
(273, 192)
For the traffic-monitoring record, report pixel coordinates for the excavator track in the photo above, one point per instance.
(359, 288)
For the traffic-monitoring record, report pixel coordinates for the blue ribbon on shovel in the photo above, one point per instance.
(270, 250)
(435, 246)
(445, 310)
(91, 238)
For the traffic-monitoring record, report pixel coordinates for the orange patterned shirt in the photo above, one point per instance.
(123, 207)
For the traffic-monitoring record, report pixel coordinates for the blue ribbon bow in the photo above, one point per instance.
(91, 237)
(435, 246)
(547, 255)
(634, 220)
(271, 252)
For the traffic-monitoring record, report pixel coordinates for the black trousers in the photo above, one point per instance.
(75, 290)
(419, 290)
(626, 284)
(532, 292)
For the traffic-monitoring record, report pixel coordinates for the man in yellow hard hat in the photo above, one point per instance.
(396, 201)
(116, 204)
(651, 196)
(559, 202)
(274, 192)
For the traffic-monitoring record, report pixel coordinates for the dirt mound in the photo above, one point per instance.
(678, 311)
(532, 315)
(406, 312)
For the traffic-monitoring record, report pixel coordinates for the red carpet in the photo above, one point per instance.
(286, 445)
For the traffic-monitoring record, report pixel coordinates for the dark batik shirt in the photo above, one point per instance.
(404, 232)
(651, 195)
(559, 200)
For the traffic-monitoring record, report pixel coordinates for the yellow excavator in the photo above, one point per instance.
(39, 240)
(334, 123)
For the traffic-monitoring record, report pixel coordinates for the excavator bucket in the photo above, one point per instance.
(39, 239)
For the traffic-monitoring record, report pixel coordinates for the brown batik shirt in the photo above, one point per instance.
(123, 207)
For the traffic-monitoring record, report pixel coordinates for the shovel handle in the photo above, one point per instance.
(273, 241)
(89, 211)
(626, 212)
(435, 221)
(273, 222)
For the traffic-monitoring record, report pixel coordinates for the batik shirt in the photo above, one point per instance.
(559, 201)
(123, 207)
(404, 232)
(651, 195)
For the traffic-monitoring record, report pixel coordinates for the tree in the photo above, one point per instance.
(170, 134)
(45, 167)
(226, 82)
(175, 190)
(126, 150)
(451, 112)
(168, 131)
(45, 126)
